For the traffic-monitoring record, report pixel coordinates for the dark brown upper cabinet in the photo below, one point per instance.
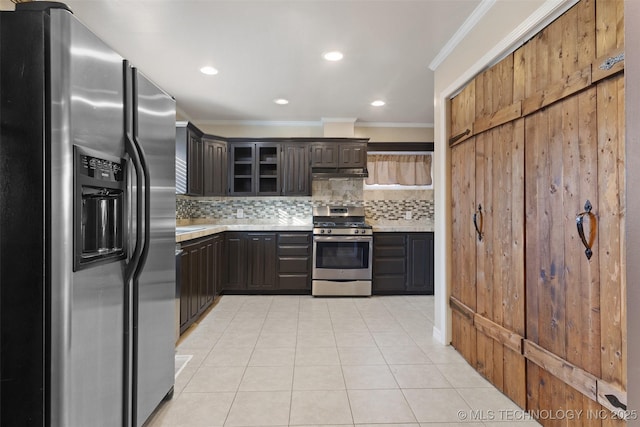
(254, 169)
(296, 176)
(324, 154)
(334, 154)
(215, 166)
(352, 155)
(189, 161)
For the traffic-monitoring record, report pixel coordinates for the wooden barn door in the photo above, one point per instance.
(463, 187)
(537, 149)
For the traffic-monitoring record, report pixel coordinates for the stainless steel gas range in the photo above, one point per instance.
(342, 252)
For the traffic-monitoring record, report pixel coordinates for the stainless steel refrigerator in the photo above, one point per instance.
(87, 228)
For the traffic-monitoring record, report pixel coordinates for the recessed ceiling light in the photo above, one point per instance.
(281, 101)
(209, 71)
(333, 56)
(378, 103)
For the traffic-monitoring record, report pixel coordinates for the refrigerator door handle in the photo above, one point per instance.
(133, 153)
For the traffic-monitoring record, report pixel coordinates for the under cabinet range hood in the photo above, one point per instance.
(328, 173)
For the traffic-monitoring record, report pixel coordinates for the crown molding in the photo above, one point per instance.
(466, 27)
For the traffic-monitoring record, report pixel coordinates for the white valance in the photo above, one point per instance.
(400, 169)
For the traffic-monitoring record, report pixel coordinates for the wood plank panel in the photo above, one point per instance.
(538, 226)
(515, 302)
(554, 92)
(463, 206)
(484, 262)
(498, 333)
(515, 377)
(570, 374)
(610, 215)
(463, 110)
(609, 25)
(501, 116)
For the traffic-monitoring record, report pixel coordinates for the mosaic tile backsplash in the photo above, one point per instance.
(294, 208)
(380, 206)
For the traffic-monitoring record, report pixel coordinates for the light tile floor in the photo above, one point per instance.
(305, 361)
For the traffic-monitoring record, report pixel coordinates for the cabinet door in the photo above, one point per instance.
(353, 155)
(295, 170)
(185, 290)
(389, 263)
(207, 271)
(194, 164)
(420, 263)
(261, 256)
(215, 167)
(236, 261)
(267, 169)
(217, 264)
(324, 155)
(195, 275)
(242, 172)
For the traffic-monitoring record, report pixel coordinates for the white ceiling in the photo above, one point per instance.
(267, 49)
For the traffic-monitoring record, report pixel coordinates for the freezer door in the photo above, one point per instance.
(154, 289)
(86, 86)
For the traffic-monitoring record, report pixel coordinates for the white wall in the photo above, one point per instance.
(505, 26)
(378, 133)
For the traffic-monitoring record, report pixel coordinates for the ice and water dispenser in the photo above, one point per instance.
(99, 208)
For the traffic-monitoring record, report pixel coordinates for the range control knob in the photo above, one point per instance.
(329, 231)
(356, 231)
(322, 231)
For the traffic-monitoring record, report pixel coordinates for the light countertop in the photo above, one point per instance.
(197, 230)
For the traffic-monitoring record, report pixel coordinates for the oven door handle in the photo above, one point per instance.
(362, 238)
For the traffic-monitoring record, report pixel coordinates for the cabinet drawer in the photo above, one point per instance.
(383, 266)
(302, 251)
(293, 265)
(389, 251)
(294, 238)
(294, 281)
(388, 239)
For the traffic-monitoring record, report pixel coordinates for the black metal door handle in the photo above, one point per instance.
(588, 244)
(478, 219)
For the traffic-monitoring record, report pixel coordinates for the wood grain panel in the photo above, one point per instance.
(463, 238)
(580, 184)
(610, 252)
(501, 116)
(554, 92)
(609, 26)
(570, 374)
(463, 110)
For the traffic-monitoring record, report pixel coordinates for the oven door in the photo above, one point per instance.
(342, 257)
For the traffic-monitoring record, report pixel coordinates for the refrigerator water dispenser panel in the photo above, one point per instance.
(99, 211)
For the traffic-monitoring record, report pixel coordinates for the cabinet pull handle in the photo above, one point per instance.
(592, 228)
(478, 214)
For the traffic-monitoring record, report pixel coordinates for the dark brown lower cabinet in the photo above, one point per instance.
(200, 274)
(294, 261)
(261, 261)
(403, 263)
(267, 262)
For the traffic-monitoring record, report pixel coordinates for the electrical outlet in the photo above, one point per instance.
(407, 215)
(240, 213)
